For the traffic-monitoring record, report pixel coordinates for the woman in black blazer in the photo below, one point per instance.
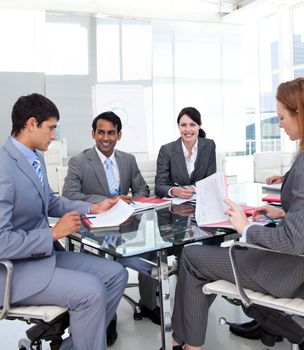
(181, 163)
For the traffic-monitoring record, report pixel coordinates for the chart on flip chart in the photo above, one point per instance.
(128, 103)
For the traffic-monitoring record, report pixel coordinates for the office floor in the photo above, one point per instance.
(144, 334)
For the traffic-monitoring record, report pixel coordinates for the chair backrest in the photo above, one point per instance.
(61, 175)
(271, 163)
(148, 171)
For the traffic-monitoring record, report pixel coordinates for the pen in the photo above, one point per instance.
(267, 216)
(87, 217)
(184, 187)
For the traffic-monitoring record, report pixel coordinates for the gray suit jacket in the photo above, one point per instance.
(171, 165)
(287, 237)
(86, 178)
(25, 237)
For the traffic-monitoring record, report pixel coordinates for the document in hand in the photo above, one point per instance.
(210, 207)
(113, 217)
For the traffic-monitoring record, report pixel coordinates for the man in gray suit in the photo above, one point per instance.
(88, 174)
(89, 286)
(88, 179)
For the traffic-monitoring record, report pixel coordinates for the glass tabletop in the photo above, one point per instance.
(158, 229)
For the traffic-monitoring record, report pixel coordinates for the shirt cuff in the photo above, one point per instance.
(244, 233)
(169, 192)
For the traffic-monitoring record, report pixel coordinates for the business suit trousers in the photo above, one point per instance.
(91, 287)
(200, 265)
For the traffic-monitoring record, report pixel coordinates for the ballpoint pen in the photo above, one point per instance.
(267, 216)
(184, 187)
(87, 217)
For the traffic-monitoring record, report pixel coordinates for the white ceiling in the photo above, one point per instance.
(202, 10)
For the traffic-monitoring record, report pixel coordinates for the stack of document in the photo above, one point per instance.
(272, 187)
(111, 219)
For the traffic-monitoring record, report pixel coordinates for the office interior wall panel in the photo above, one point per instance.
(12, 86)
(72, 95)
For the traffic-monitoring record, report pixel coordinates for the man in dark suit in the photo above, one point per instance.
(88, 179)
(89, 286)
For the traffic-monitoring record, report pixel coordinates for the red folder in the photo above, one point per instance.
(158, 202)
(272, 198)
(248, 210)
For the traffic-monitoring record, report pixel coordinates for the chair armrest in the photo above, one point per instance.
(244, 297)
(8, 287)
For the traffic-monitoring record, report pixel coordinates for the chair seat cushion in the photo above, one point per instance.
(294, 306)
(47, 313)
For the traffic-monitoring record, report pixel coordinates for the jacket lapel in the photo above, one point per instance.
(200, 159)
(123, 168)
(28, 170)
(97, 166)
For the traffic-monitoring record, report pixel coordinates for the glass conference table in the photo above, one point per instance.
(160, 233)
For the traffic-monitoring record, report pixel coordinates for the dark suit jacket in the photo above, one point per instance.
(171, 165)
(287, 237)
(86, 178)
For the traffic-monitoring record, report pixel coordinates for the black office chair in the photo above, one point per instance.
(50, 320)
(274, 315)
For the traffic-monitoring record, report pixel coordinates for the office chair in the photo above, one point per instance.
(274, 315)
(50, 320)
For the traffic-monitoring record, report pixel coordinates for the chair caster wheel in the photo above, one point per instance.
(137, 316)
(24, 344)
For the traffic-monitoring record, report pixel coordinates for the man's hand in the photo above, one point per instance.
(276, 179)
(103, 206)
(274, 213)
(183, 192)
(69, 223)
(237, 216)
(126, 199)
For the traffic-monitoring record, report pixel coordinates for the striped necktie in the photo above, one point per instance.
(38, 170)
(113, 186)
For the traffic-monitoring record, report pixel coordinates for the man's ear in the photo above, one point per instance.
(119, 135)
(31, 123)
(93, 134)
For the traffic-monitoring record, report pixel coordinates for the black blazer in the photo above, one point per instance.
(171, 165)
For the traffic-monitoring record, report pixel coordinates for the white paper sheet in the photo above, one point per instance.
(113, 217)
(210, 206)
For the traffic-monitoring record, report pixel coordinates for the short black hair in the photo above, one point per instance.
(109, 116)
(195, 115)
(34, 105)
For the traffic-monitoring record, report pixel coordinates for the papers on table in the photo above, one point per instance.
(177, 200)
(210, 207)
(273, 187)
(139, 206)
(113, 217)
(153, 201)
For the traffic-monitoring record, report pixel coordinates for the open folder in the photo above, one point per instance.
(210, 206)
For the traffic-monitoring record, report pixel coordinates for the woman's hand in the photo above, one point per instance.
(274, 213)
(237, 216)
(185, 192)
(276, 179)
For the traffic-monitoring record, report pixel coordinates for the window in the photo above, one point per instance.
(22, 41)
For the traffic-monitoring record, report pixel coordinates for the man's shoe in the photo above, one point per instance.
(249, 330)
(111, 332)
(154, 315)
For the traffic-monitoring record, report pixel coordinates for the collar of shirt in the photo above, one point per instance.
(28, 153)
(102, 158)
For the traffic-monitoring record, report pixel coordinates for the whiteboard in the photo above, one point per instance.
(127, 101)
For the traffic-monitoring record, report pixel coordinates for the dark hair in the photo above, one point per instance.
(195, 115)
(109, 116)
(34, 105)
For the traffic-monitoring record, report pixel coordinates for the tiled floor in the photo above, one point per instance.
(145, 335)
